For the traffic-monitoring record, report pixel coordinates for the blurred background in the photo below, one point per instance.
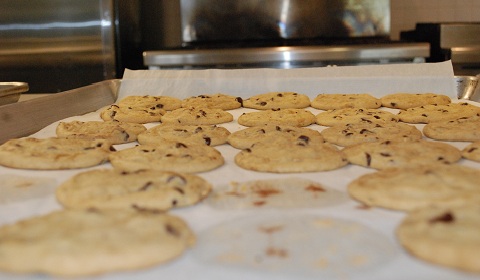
(56, 45)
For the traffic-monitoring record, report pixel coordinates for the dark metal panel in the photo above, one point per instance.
(55, 45)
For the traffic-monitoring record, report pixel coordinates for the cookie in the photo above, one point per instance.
(330, 101)
(293, 117)
(356, 133)
(146, 189)
(245, 138)
(91, 242)
(215, 101)
(472, 151)
(112, 131)
(277, 100)
(461, 129)
(408, 188)
(353, 115)
(168, 156)
(381, 155)
(434, 113)
(446, 236)
(197, 134)
(411, 100)
(53, 153)
(286, 156)
(197, 116)
(167, 103)
(131, 114)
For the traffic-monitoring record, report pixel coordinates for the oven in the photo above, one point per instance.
(199, 34)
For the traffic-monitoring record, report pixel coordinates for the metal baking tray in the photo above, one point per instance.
(10, 91)
(27, 117)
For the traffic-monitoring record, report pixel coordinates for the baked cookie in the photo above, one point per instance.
(215, 101)
(293, 117)
(286, 156)
(411, 100)
(112, 131)
(446, 236)
(197, 134)
(91, 242)
(53, 153)
(408, 188)
(353, 115)
(131, 114)
(167, 103)
(168, 156)
(434, 113)
(356, 133)
(381, 155)
(461, 129)
(197, 116)
(472, 151)
(145, 189)
(330, 101)
(277, 100)
(245, 138)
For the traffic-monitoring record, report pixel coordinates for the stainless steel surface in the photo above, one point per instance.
(10, 91)
(458, 42)
(27, 117)
(466, 86)
(213, 20)
(56, 45)
(286, 57)
(459, 35)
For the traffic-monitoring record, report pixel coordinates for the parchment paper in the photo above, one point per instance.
(378, 80)
(375, 79)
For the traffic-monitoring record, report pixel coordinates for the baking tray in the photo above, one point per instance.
(10, 91)
(24, 118)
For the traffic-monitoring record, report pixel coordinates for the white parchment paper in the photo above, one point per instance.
(375, 79)
(378, 80)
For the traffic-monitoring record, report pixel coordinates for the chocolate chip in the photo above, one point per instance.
(368, 157)
(208, 140)
(179, 190)
(180, 145)
(239, 100)
(445, 218)
(171, 178)
(146, 186)
(171, 230)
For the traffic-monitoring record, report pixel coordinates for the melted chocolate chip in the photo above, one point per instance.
(239, 100)
(146, 186)
(180, 145)
(368, 157)
(445, 218)
(171, 230)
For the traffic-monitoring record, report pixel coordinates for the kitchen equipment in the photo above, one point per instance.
(27, 117)
(57, 45)
(10, 91)
(278, 34)
(466, 86)
(456, 41)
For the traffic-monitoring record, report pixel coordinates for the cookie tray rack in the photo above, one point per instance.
(27, 117)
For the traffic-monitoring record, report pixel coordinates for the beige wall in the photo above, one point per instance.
(405, 13)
